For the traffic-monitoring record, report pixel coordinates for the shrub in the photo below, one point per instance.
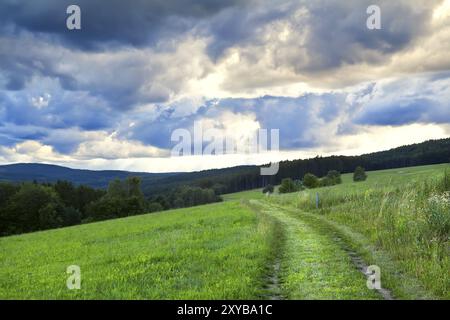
(268, 189)
(311, 181)
(299, 185)
(359, 174)
(325, 182)
(334, 176)
(287, 186)
(154, 207)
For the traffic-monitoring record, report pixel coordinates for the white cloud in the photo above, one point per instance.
(106, 146)
(41, 101)
(137, 158)
(66, 104)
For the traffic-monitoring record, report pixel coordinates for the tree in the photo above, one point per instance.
(134, 187)
(155, 206)
(310, 181)
(287, 186)
(162, 200)
(23, 211)
(7, 190)
(359, 174)
(106, 207)
(116, 189)
(66, 192)
(177, 203)
(334, 176)
(325, 182)
(51, 216)
(71, 216)
(84, 196)
(268, 189)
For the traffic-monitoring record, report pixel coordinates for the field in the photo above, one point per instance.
(214, 251)
(401, 225)
(253, 246)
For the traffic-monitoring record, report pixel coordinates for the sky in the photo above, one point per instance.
(111, 94)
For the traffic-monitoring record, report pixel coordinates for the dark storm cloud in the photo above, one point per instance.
(240, 26)
(338, 32)
(335, 34)
(328, 33)
(130, 55)
(137, 23)
(334, 27)
(34, 42)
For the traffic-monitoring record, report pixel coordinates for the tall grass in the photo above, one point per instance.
(411, 221)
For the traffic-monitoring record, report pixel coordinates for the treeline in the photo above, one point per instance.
(248, 177)
(309, 181)
(28, 207)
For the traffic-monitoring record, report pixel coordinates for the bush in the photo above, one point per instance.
(287, 186)
(325, 182)
(268, 189)
(334, 176)
(154, 207)
(311, 181)
(359, 174)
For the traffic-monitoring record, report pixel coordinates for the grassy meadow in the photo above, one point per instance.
(404, 213)
(216, 251)
(253, 246)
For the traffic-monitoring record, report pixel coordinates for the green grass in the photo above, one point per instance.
(217, 251)
(313, 265)
(392, 211)
(252, 246)
(245, 195)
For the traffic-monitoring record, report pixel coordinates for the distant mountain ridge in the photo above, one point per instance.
(50, 173)
(238, 178)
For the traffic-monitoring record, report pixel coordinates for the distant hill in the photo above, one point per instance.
(238, 178)
(248, 177)
(50, 173)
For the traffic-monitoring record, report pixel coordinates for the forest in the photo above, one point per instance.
(242, 178)
(32, 206)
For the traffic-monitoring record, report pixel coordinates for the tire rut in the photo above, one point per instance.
(357, 261)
